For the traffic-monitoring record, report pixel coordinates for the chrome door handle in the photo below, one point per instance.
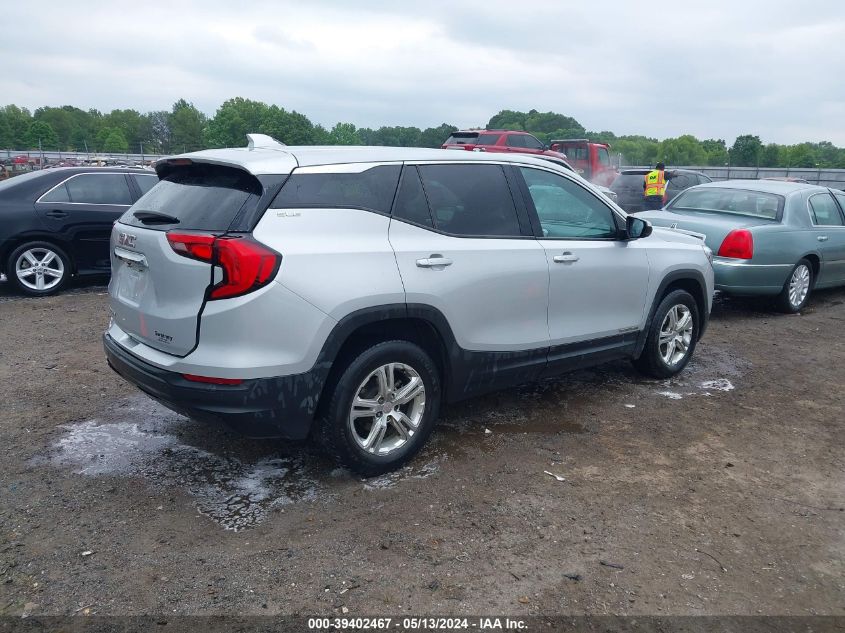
(129, 257)
(822, 238)
(566, 258)
(434, 261)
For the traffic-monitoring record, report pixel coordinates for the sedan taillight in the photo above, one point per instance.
(738, 244)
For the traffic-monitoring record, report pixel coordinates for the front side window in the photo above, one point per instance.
(516, 140)
(824, 211)
(604, 156)
(531, 142)
(679, 182)
(567, 210)
(755, 204)
(470, 200)
(99, 189)
(371, 189)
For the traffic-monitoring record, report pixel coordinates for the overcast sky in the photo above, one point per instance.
(714, 69)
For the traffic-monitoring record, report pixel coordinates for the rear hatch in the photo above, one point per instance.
(461, 140)
(161, 252)
(628, 187)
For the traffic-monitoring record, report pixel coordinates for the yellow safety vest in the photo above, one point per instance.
(655, 183)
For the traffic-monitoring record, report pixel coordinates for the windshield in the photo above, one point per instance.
(755, 204)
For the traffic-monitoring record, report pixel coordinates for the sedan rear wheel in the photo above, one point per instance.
(38, 268)
(796, 292)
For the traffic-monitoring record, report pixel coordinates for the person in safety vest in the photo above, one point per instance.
(654, 187)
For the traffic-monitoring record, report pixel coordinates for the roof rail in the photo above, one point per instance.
(262, 141)
(571, 140)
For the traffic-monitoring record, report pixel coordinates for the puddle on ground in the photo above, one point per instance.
(235, 482)
(234, 493)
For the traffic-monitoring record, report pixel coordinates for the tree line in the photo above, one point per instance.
(185, 128)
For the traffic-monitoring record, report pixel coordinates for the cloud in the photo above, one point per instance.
(715, 69)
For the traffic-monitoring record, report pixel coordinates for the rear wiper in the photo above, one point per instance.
(153, 217)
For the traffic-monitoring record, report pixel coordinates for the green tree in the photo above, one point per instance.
(770, 156)
(716, 151)
(18, 120)
(320, 135)
(684, 150)
(185, 125)
(7, 138)
(746, 151)
(291, 128)
(233, 121)
(344, 134)
(434, 136)
(43, 133)
(116, 142)
(801, 155)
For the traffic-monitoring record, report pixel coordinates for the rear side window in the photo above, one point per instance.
(471, 200)
(201, 197)
(410, 200)
(629, 181)
(372, 190)
(99, 189)
(702, 178)
(59, 194)
(824, 211)
(488, 139)
(145, 183)
(680, 182)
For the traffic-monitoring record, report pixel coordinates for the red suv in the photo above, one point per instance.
(499, 141)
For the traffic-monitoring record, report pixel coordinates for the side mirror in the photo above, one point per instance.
(635, 228)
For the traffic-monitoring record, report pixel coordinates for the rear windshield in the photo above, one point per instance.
(462, 138)
(629, 180)
(755, 204)
(199, 197)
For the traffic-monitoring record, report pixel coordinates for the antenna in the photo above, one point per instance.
(262, 141)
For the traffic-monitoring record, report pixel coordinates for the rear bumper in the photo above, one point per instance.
(740, 278)
(281, 407)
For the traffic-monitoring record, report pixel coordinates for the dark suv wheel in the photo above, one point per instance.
(382, 409)
(672, 336)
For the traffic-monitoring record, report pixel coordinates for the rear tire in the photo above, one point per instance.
(796, 291)
(38, 269)
(382, 408)
(672, 336)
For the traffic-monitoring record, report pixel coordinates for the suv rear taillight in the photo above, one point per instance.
(738, 244)
(247, 264)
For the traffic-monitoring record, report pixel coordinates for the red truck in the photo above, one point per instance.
(499, 141)
(591, 160)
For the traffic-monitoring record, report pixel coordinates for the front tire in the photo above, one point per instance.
(796, 291)
(382, 409)
(672, 336)
(38, 269)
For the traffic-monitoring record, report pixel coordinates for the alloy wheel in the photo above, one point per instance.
(387, 408)
(675, 334)
(39, 268)
(799, 285)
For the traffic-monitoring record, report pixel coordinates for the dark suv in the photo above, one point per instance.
(56, 223)
(505, 141)
(628, 186)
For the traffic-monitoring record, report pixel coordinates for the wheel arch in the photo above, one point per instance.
(691, 281)
(420, 324)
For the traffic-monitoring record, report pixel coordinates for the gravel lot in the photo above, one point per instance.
(721, 492)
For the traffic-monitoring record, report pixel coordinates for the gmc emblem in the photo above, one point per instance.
(124, 239)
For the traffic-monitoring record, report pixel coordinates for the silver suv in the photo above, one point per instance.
(347, 293)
